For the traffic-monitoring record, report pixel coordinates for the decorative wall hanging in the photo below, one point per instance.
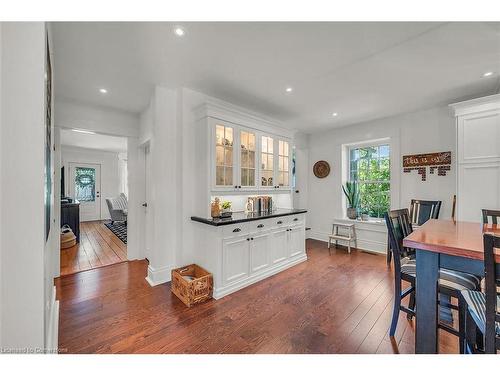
(321, 169)
(440, 161)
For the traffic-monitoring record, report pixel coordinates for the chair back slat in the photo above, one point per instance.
(494, 214)
(398, 226)
(491, 242)
(421, 211)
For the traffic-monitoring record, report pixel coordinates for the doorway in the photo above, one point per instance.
(85, 186)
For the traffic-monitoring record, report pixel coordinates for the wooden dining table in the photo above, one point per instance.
(455, 245)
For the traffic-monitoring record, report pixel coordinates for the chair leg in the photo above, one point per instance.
(389, 252)
(461, 325)
(397, 307)
(470, 335)
(329, 244)
(411, 305)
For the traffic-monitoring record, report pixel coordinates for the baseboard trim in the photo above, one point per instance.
(370, 246)
(224, 291)
(53, 330)
(157, 276)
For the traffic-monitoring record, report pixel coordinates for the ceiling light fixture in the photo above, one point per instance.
(289, 89)
(103, 91)
(179, 31)
(335, 114)
(83, 131)
(487, 74)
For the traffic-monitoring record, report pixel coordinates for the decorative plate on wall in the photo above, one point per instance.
(321, 169)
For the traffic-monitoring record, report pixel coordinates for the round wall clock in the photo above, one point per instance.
(321, 169)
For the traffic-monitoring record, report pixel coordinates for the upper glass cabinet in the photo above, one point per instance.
(283, 163)
(247, 159)
(224, 146)
(267, 161)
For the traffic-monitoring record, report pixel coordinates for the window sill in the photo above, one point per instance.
(379, 222)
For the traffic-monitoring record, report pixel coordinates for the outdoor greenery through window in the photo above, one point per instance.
(370, 168)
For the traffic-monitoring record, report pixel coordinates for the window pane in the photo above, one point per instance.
(244, 158)
(251, 159)
(219, 155)
(85, 184)
(286, 177)
(285, 164)
(228, 156)
(280, 148)
(251, 141)
(384, 151)
(228, 176)
(285, 148)
(244, 177)
(244, 140)
(270, 162)
(264, 144)
(229, 136)
(219, 175)
(270, 145)
(251, 177)
(219, 134)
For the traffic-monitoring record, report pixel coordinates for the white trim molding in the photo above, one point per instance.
(53, 330)
(159, 275)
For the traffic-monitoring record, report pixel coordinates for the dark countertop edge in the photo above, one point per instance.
(237, 221)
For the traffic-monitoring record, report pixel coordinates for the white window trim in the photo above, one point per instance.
(395, 164)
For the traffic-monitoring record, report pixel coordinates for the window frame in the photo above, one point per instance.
(377, 143)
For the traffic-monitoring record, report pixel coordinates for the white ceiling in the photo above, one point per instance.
(93, 141)
(362, 70)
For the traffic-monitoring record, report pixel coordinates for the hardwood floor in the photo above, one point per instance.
(98, 247)
(330, 304)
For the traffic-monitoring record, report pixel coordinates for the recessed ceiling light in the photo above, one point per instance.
(487, 74)
(83, 131)
(103, 91)
(179, 31)
(289, 89)
(335, 114)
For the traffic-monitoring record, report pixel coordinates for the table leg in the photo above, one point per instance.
(426, 302)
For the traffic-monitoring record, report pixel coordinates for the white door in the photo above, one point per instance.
(279, 245)
(235, 258)
(85, 186)
(148, 207)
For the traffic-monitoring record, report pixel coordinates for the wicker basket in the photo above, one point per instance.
(192, 284)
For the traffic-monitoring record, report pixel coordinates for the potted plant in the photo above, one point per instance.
(352, 194)
(225, 209)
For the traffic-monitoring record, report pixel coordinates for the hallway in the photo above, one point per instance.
(98, 247)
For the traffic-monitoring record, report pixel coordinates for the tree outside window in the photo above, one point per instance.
(370, 168)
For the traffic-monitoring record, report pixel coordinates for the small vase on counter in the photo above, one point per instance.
(215, 208)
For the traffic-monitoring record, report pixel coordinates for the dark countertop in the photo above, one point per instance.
(241, 217)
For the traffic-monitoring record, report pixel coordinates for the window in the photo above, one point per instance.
(369, 166)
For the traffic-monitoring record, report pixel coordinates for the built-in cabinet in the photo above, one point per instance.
(478, 156)
(247, 159)
(241, 254)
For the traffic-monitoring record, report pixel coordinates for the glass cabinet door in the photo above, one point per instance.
(247, 159)
(283, 163)
(267, 161)
(224, 141)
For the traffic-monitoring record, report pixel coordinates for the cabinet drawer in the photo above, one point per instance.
(296, 219)
(235, 230)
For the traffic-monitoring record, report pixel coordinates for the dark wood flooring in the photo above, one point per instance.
(98, 247)
(330, 304)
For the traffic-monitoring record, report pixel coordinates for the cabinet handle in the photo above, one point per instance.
(260, 226)
(239, 187)
(235, 230)
(296, 219)
(248, 239)
(279, 222)
(251, 238)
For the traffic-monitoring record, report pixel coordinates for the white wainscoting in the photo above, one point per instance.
(371, 236)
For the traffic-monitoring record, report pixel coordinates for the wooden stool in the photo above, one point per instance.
(350, 236)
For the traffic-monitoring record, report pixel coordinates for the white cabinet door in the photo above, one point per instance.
(296, 243)
(279, 245)
(283, 164)
(247, 167)
(259, 251)
(224, 156)
(235, 257)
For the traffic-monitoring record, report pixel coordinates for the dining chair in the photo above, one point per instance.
(420, 212)
(494, 214)
(483, 308)
(451, 283)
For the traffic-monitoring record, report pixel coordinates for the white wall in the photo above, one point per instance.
(71, 114)
(425, 131)
(22, 238)
(110, 173)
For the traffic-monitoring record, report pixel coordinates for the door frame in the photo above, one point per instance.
(71, 187)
